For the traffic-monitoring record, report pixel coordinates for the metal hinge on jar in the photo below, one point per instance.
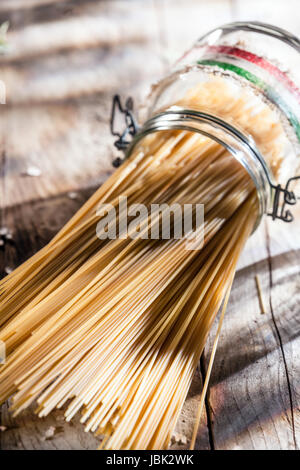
(130, 122)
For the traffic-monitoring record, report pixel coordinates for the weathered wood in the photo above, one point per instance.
(29, 432)
(25, 12)
(69, 142)
(79, 74)
(59, 93)
(285, 311)
(18, 4)
(69, 145)
(249, 392)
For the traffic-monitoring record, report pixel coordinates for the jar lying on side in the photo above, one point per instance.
(239, 86)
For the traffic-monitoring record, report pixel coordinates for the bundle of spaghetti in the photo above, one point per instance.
(115, 327)
(70, 247)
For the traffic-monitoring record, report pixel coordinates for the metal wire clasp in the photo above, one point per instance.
(130, 122)
(289, 198)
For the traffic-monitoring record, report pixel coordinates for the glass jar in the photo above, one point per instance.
(240, 86)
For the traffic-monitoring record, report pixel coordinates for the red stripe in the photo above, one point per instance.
(260, 62)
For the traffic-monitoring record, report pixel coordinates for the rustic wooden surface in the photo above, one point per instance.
(65, 60)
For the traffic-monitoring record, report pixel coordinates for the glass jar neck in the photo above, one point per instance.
(241, 146)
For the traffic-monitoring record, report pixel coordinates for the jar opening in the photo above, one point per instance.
(241, 146)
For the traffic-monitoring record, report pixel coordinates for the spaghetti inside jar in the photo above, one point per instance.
(238, 86)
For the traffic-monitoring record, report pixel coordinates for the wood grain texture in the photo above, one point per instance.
(11, 5)
(65, 61)
(249, 394)
(29, 432)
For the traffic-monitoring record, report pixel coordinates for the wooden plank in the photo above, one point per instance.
(93, 26)
(29, 432)
(39, 11)
(78, 74)
(69, 142)
(255, 384)
(56, 138)
(249, 392)
(284, 305)
(32, 225)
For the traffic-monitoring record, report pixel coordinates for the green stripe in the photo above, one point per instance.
(269, 91)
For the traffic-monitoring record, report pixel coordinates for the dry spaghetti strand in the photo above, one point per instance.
(114, 329)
